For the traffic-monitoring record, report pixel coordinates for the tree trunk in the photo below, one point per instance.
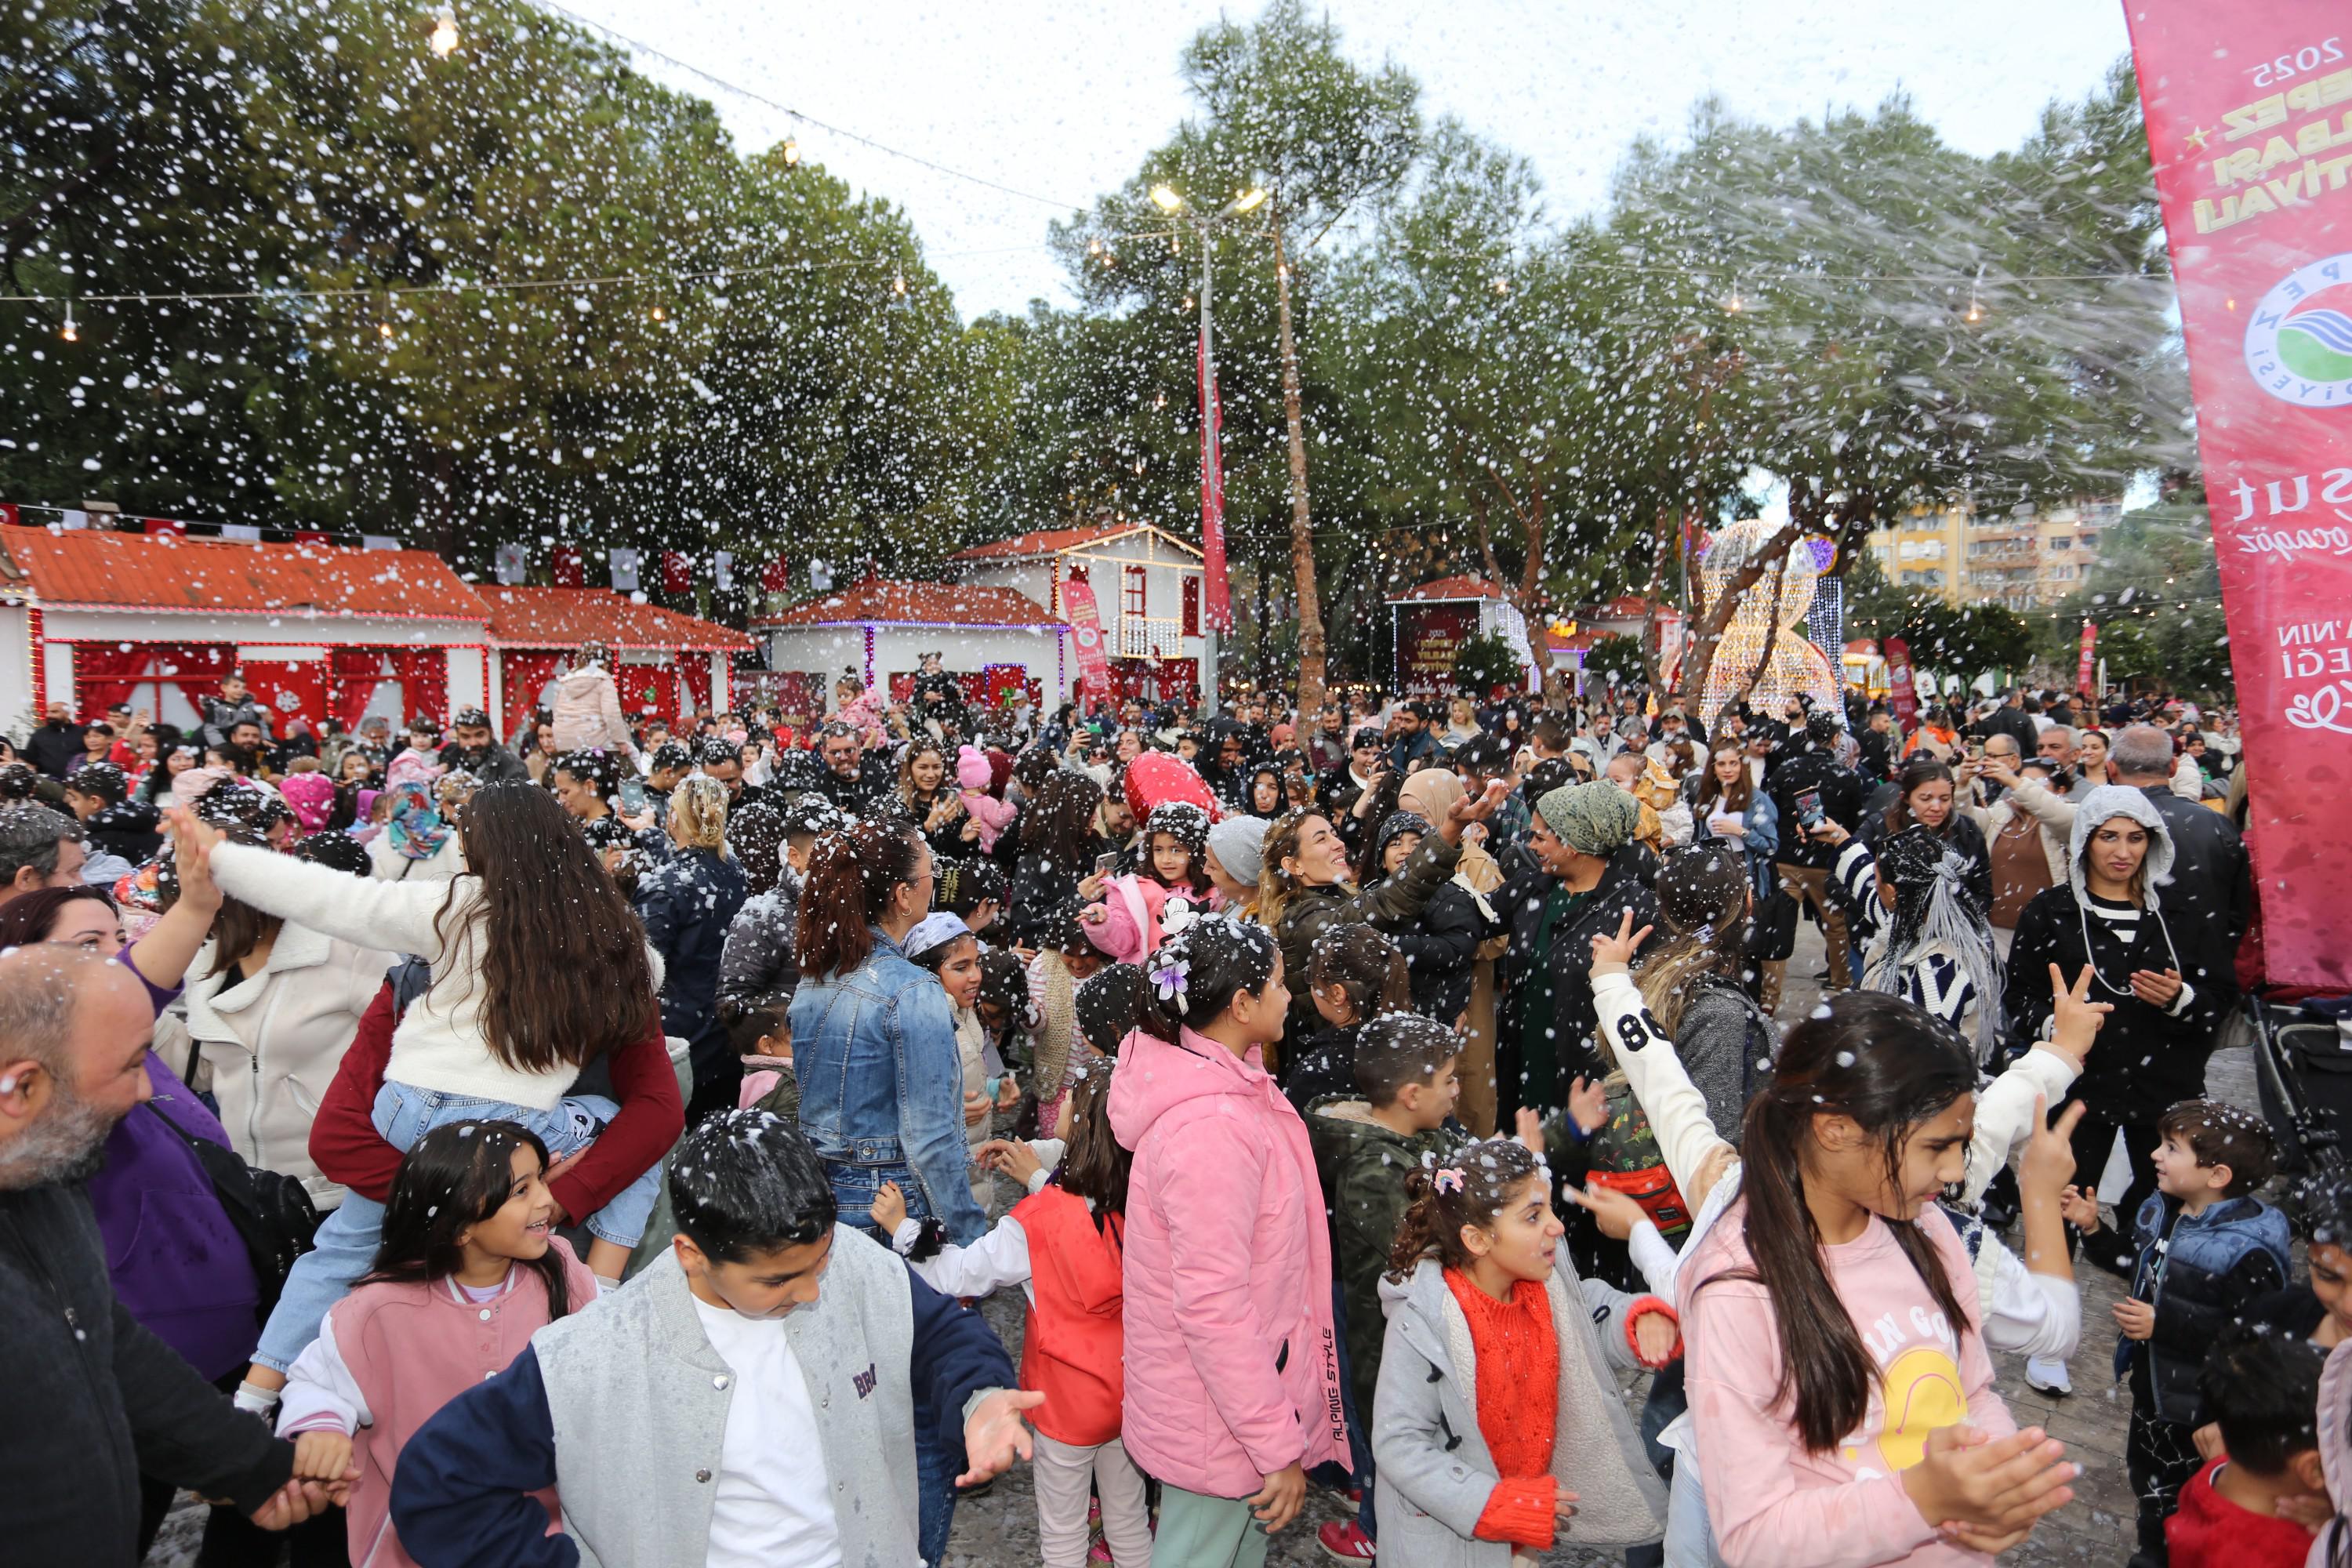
(1302, 535)
(1706, 632)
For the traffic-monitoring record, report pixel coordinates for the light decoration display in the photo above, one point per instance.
(1794, 663)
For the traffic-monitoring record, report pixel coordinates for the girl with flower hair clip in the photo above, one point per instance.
(1233, 1372)
(1497, 1430)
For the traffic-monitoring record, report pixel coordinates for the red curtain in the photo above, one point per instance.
(696, 667)
(646, 687)
(105, 673)
(523, 676)
(354, 674)
(195, 667)
(424, 677)
(289, 686)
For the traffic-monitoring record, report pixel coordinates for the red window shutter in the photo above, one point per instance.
(1191, 627)
(1133, 592)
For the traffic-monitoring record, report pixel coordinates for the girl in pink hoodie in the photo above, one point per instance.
(1232, 1386)
(1840, 1389)
(975, 773)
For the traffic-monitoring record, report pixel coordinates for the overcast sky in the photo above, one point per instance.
(1061, 100)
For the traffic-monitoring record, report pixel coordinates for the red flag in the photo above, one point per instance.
(2244, 105)
(310, 536)
(1219, 607)
(2083, 665)
(776, 577)
(565, 566)
(1086, 631)
(9, 515)
(678, 573)
(1898, 676)
(166, 525)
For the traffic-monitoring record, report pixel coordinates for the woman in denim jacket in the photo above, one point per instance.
(874, 1042)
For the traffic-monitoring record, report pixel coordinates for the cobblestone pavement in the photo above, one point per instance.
(1000, 1529)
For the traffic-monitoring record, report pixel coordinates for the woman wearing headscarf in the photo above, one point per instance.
(2167, 979)
(416, 845)
(1589, 870)
(1429, 794)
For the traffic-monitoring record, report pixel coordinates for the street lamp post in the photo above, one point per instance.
(1170, 201)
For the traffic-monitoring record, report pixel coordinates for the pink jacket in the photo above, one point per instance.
(1135, 911)
(1231, 1370)
(864, 716)
(391, 1357)
(586, 711)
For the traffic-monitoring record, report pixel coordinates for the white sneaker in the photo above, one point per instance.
(2044, 1376)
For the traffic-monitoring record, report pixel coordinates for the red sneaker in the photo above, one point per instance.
(1344, 1540)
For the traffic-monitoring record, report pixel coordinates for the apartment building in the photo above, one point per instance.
(2021, 559)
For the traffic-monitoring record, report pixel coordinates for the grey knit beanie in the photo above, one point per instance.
(1239, 843)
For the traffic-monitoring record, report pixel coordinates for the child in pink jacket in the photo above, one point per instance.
(469, 1267)
(975, 773)
(1139, 911)
(1232, 1386)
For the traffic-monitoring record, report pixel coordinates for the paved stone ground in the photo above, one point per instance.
(1000, 1529)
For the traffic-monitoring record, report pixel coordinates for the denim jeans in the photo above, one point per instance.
(935, 1474)
(346, 1243)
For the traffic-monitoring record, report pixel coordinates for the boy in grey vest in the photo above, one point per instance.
(671, 1417)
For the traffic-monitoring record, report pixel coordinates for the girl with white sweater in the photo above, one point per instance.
(539, 967)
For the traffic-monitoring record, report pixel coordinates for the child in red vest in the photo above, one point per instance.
(468, 1269)
(1061, 1245)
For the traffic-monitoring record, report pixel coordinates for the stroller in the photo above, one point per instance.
(2303, 1071)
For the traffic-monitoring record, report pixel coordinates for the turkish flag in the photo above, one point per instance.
(776, 577)
(310, 536)
(566, 564)
(678, 573)
(166, 525)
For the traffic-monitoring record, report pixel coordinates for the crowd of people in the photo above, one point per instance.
(448, 1149)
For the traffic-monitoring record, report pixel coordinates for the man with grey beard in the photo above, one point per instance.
(94, 1399)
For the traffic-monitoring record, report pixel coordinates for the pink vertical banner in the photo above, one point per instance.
(1220, 606)
(1086, 631)
(2249, 110)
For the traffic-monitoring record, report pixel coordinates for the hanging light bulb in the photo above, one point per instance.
(1161, 401)
(658, 313)
(899, 284)
(1976, 306)
(445, 33)
(791, 151)
(384, 329)
(71, 334)
(1094, 247)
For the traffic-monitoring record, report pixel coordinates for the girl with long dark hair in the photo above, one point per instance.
(539, 968)
(1835, 1347)
(468, 1269)
(1059, 847)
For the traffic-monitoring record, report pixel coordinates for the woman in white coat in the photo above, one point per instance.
(271, 1008)
(585, 706)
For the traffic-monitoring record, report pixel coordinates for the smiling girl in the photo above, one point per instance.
(469, 1269)
(1838, 1378)
(1496, 1424)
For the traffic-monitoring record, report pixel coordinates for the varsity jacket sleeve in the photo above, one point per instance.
(2025, 1313)
(1677, 1111)
(362, 911)
(461, 1497)
(956, 1362)
(649, 1123)
(321, 1395)
(185, 1431)
(2005, 1113)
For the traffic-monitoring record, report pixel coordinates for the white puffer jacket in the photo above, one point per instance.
(274, 1041)
(586, 711)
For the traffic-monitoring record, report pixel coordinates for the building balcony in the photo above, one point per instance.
(1148, 637)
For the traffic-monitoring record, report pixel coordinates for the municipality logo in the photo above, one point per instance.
(2299, 343)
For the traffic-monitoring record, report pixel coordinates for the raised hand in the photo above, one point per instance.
(1589, 1104)
(1614, 954)
(2077, 1018)
(889, 1209)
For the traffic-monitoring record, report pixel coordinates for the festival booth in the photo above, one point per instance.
(664, 663)
(990, 640)
(92, 618)
(1147, 588)
(1428, 626)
